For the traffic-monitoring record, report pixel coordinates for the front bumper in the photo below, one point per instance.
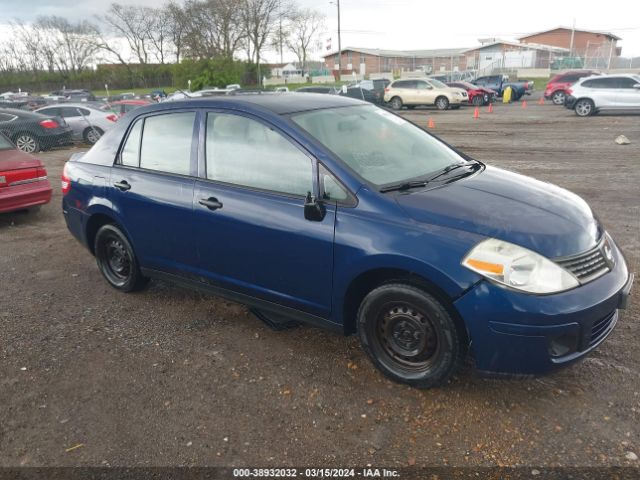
(517, 333)
(569, 102)
(21, 197)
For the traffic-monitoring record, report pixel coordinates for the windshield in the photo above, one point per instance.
(379, 146)
(437, 83)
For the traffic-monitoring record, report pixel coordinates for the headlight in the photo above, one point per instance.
(518, 268)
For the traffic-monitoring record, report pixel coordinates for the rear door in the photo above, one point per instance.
(151, 187)
(251, 232)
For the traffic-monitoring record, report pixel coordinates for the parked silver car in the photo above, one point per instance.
(590, 95)
(87, 122)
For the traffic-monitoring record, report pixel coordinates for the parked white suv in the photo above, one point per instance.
(423, 91)
(590, 95)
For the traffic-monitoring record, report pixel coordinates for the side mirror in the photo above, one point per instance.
(313, 209)
(637, 86)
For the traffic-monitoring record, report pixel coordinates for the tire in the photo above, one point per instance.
(558, 97)
(92, 134)
(117, 261)
(26, 142)
(396, 103)
(409, 335)
(442, 103)
(584, 107)
(478, 100)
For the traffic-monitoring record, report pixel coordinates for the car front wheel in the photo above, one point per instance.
(409, 335)
(442, 103)
(116, 260)
(584, 107)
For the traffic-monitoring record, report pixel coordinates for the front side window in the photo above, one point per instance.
(626, 82)
(247, 153)
(166, 142)
(380, 147)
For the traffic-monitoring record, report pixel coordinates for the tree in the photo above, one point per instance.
(259, 18)
(303, 28)
(71, 47)
(214, 29)
(130, 23)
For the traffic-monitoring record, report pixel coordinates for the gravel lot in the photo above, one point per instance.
(173, 377)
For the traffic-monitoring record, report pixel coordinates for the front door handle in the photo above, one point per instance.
(211, 203)
(122, 185)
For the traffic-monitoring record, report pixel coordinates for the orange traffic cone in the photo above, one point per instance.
(541, 101)
(490, 109)
(431, 123)
(524, 104)
(476, 113)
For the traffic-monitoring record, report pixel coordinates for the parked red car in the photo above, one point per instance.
(23, 179)
(123, 106)
(557, 87)
(477, 95)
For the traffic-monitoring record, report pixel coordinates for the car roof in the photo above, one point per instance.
(614, 75)
(278, 103)
(89, 106)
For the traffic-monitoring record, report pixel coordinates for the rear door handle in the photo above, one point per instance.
(211, 203)
(122, 185)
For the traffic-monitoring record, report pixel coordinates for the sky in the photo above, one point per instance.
(411, 24)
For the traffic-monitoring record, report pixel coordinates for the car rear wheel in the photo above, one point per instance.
(27, 143)
(396, 103)
(558, 97)
(584, 107)
(116, 260)
(92, 134)
(442, 103)
(409, 335)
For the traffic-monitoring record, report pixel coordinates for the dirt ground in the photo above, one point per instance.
(173, 377)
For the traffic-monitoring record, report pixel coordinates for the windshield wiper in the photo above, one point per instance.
(421, 183)
(405, 186)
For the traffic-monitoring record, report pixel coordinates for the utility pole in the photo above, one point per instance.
(573, 31)
(339, 41)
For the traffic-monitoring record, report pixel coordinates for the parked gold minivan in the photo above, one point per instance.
(412, 92)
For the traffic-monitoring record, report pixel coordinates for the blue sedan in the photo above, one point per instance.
(330, 211)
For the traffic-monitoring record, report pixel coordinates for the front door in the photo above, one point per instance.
(251, 232)
(627, 96)
(151, 188)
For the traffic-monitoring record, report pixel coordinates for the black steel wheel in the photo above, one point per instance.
(116, 260)
(409, 335)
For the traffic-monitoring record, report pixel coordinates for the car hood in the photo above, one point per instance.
(505, 205)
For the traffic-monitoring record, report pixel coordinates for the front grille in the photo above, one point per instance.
(600, 328)
(586, 266)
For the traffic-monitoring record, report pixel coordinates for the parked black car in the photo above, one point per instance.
(32, 132)
(362, 94)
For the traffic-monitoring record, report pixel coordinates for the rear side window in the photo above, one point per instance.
(130, 155)
(626, 82)
(161, 143)
(166, 143)
(405, 84)
(600, 83)
(245, 152)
